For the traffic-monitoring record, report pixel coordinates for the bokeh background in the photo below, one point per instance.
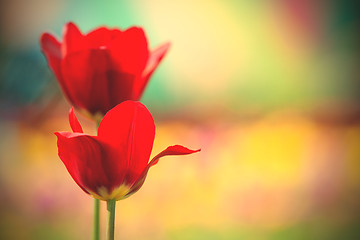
(268, 89)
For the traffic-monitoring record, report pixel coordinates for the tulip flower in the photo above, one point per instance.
(113, 165)
(103, 68)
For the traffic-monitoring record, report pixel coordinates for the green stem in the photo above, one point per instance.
(110, 218)
(96, 229)
(96, 222)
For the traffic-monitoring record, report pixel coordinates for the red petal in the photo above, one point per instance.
(73, 39)
(93, 82)
(50, 46)
(86, 72)
(154, 59)
(120, 88)
(74, 122)
(101, 37)
(129, 129)
(84, 158)
(172, 150)
(52, 50)
(129, 50)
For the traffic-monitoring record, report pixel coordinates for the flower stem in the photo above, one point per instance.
(96, 229)
(110, 218)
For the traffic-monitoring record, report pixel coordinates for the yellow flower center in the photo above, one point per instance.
(117, 193)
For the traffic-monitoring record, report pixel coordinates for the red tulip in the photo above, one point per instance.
(114, 164)
(103, 68)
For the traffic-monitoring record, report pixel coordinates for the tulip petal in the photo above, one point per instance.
(74, 122)
(84, 157)
(171, 150)
(52, 51)
(155, 57)
(129, 50)
(101, 37)
(95, 84)
(120, 87)
(78, 69)
(51, 47)
(73, 39)
(129, 129)
(153, 61)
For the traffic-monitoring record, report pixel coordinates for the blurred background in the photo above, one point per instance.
(268, 89)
